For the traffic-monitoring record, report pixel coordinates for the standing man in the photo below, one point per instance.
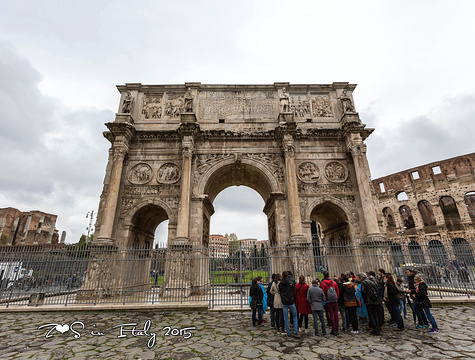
(417, 307)
(330, 288)
(270, 301)
(286, 290)
(370, 294)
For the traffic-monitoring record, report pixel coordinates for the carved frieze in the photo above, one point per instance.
(271, 229)
(321, 106)
(152, 106)
(237, 104)
(325, 188)
(205, 230)
(174, 105)
(140, 173)
(335, 171)
(300, 107)
(169, 173)
(141, 190)
(308, 172)
(272, 161)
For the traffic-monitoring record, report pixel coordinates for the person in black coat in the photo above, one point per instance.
(270, 301)
(392, 301)
(257, 295)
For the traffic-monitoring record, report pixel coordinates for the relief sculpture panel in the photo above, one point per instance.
(168, 173)
(152, 106)
(308, 172)
(140, 174)
(335, 171)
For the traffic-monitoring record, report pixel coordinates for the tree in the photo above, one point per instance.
(231, 237)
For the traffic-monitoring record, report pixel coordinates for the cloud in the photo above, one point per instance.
(442, 133)
(53, 158)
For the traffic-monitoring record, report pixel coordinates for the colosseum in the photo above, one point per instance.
(428, 211)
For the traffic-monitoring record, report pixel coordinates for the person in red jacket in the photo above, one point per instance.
(332, 300)
(303, 306)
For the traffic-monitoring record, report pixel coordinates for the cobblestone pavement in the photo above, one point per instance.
(220, 335)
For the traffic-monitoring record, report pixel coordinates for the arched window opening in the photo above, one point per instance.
(388, 214)
(406, 216)
(469, 199)
(397, 255)
(437, 252)
(427, 214)
(451, 213)
(402, 196)
(416, 253)
(463, 252)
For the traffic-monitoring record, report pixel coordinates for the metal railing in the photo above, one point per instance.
(71, 275)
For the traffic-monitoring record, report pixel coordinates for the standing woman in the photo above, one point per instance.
(257, 295)
(392, 301)
(303, 306)
(278, 313)
(424, 302)
(351, 304)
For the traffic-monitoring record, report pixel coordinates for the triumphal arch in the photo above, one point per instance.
(175, 147)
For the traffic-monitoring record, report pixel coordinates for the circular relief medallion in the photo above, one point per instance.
(168, 173)
(308, 172)
(336, 172)
(140, 174)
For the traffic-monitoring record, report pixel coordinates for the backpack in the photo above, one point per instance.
(373, 294)
(332, 296)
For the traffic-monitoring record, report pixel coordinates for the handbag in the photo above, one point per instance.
(351, 303)
(253, 303)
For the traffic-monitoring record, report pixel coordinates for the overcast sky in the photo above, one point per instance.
(60, 60)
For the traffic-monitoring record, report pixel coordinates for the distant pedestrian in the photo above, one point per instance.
(330, 288)
(270, 301)
(424, 302)
(316, 298)
(256, 294)
(303, 306)
(286, 290)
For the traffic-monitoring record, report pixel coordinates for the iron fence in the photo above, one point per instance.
(71, 275)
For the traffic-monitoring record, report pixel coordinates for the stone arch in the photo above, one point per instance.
(332, 215)
(416, 253)
(463, 251)
(232, 172)
(469, 200)
(451, 213)
(390, 221)
(142, 219)
(406, 216)
(437, 252)
(427, 214)
(397, 254)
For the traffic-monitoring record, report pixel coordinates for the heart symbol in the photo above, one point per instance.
(62, 328)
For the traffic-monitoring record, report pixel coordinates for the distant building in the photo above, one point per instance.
(220, 245)
(27, 228)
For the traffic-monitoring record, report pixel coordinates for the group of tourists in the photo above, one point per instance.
(358, 299)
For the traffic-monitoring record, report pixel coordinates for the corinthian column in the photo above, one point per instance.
(110, 207)
(182, 231)
(358, 152)
(296, 232)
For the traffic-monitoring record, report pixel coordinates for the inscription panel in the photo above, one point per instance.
(237, 104)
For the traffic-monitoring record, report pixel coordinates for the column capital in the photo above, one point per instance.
(187, 147)
(120, 151)
(288, 146)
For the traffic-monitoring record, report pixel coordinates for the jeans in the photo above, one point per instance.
(430, 318)
(402, 307)
(396, 315)
(421, 317)
(319, 314)
(260, 315)
(333, 311)
(344, 319)
(293, 311)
